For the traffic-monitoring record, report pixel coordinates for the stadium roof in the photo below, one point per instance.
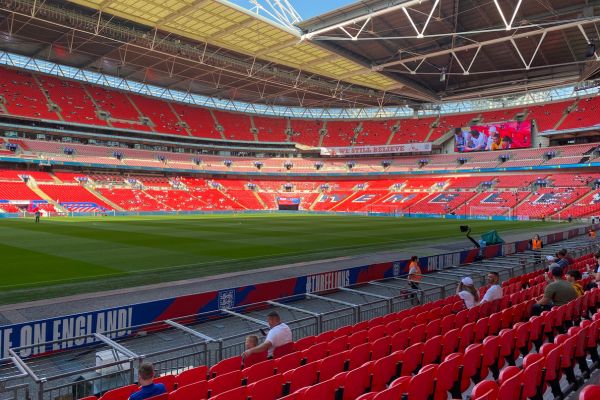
(457, 49)
(371, 53)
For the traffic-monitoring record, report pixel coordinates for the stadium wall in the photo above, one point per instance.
(50, 335)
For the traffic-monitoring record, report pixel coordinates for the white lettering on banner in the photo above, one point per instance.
(443, 260)
(327, 281)
(64, 332)
(394, 148)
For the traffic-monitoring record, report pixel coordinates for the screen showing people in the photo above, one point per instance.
(491, 137)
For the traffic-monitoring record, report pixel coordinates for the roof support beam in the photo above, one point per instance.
(276, 47)
(577, 24)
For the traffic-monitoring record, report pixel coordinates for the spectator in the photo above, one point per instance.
(594, 272)
(279, 335)
(536, 246)
(562, 258)
(467, 292)
(557, 293)
(494, 292)
(146, 381)
(592, 233)
(573, 276)
(251, 342)
(414, 273)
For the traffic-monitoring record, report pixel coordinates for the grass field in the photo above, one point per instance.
(64, 256)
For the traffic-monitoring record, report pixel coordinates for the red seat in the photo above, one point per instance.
(384, 369)
(375, 332)
(288, 362)
(334, 364)
(224, 382)
(481, 329)
(447, 376)
(119, 393)
(167, 380)
(533, 365)
(380, 347)
(302, 376)
(400, 340)
(258, 371)
(323, 390)
(433, 328)
(240, 393)
(316, 352)
(421, 385)
(417, 334)
(337, 345)
(357, 338)
(226, 365)
(485, 390)
(193, 390)
(432, 350)
(191, 375)
(471, 365)
(590, 392)
(255, 358)
(411, 359)
(269, 388)
(282, 350)
(324, 337)
(466, 336)
(359, 355)
(304, 343)
(510, 383)
(447, 323)
(355, 382)
(391, 328)
(395, 391)
(450, 341)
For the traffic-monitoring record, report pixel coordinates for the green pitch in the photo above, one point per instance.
(63, 256)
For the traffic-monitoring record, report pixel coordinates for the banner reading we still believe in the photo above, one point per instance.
(393, 148)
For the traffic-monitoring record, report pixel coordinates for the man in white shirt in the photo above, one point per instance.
(479, 140)
(494, 292)
(278, 335)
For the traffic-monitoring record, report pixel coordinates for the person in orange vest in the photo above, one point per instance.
(536, 246)
(414, 273)
(592, 233)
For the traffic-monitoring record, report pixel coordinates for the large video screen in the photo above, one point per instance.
(492, 137)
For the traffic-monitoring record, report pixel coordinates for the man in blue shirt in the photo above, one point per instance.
(146, 380)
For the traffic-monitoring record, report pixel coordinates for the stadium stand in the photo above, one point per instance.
(496, 350)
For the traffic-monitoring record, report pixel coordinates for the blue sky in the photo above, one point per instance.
(307, 8)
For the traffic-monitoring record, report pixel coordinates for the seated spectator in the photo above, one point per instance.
(146, 381)
(279, 335)
(494, 292)
(251, 342)
(557, 293)
(594, 271)
(467, 292)
(573, 277)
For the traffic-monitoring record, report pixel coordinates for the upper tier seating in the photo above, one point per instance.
(199, 120)
(412, 130)
(23, 96)
(547, 116)
(75, 104)
(339, 133)
(235, 126)
(586, 113)
(160, 113)
(306, 132)
(271, 129)
(374, 132)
